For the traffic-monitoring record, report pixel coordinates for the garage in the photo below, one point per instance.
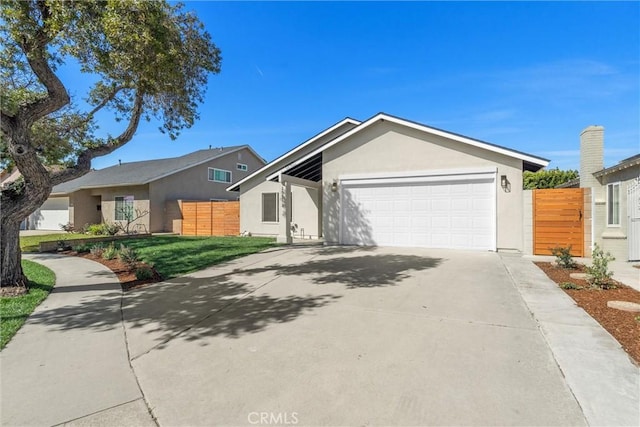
(50, 215)
(445, 210)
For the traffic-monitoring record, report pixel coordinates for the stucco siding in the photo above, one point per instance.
(83, 208)
(140, 195)
(251, 209)
(387, 147)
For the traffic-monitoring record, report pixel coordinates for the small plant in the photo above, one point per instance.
(599, 275)
(97, 249)
(110, 252)
(95, 229)
(637, 318)
(63, 245)
(144, 273)
(563, 257)
(570, 285)
(82, 249)
(111, 228)
(68, 227)
(128, 255)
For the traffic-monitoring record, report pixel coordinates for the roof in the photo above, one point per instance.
(144, 172)
(289, 155)
(623, 164)
(573, 183)
(530, 162)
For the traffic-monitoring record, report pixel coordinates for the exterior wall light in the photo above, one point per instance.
(334, 186)
(503, 181)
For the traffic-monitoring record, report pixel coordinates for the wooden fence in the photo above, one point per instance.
(210, 218)
(558, 220)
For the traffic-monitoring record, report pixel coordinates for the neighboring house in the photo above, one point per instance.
(152, 186)
(615, 225)
(391, 182)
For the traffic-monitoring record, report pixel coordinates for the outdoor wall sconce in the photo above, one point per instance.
(504, 183)
(334, 186)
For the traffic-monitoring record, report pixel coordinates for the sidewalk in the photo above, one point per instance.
(600, 374)
(69, 362)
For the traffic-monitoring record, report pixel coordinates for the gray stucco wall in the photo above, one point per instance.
(387, 147)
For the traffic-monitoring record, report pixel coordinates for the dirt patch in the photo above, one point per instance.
(126, 274)
(13, 291)
(623, 325)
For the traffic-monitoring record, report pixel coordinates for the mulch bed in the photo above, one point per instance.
(126, 275)
(621, 324)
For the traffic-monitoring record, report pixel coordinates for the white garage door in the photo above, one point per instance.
(52, 213)
(455, 212)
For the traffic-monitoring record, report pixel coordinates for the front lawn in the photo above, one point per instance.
(15, 310)
(175, 256)
(32, 243)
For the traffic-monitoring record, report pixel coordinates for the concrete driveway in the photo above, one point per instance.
(345, 336)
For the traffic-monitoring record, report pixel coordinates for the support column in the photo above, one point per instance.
(284, 232)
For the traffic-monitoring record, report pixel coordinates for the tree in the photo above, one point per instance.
(547, 178)
(147, 58)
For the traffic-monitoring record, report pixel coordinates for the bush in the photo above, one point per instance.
(68, 227)
(110, 252)
(144, 273)
(599, 274)
(563, 256)
(103, 229)
(570, 285)
(128, 255)
(111, 229)
(97, 249)
(82, 249)
(96, 229)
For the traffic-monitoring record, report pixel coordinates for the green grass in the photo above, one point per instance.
(32, 243)
(15, 310)
(177, 255)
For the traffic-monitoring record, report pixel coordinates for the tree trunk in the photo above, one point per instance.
(11, 272)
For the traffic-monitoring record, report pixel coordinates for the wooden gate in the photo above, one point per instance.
(211, 218)
(558, 220)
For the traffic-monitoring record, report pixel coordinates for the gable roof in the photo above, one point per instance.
(623, 164)
(289, 155)
(530, 162)
(144, 172)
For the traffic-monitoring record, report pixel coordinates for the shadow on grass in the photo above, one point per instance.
(238, 302)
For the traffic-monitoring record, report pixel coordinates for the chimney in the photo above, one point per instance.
(591, 155)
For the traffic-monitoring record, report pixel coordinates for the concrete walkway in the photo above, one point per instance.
(69, 364)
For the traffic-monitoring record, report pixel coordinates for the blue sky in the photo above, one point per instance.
(528, 76)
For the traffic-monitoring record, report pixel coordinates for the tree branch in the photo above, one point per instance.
(7, 123)
(83, 164)
(105, 101)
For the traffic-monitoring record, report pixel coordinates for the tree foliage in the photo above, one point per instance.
(145, 59)
(547, 178)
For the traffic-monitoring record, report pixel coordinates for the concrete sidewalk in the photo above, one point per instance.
(601, 375)
(69, 363)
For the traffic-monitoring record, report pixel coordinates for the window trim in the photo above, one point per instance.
(242, 167)
(115, 206)
(613, 185)
(276, 208)
(214, 175)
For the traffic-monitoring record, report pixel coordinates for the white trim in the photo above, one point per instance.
(419, 127)
(593, 219)
(295, 150)
(214, 175)
(488, 173)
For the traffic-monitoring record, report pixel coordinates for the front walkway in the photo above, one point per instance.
(69, 363)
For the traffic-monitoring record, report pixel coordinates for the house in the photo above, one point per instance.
(615, 200)
(392, 182)
(151, 187)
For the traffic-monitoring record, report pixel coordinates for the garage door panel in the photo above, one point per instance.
(448, 214)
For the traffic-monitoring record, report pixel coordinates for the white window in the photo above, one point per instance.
(124, 208)
(219, 175)
(241, 167)
(269, 207)
(613, 204)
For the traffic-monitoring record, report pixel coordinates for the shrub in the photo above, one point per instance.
(111, 229)
(128, 255)
(144, 273)
(68, 227)
(599, 274)
(97, 249)
(563, 256)
(95, 229)
(569, 285)
(103, 229)
(82, 249)
(110, 252)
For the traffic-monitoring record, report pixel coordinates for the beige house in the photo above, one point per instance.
(615, 201)
(150, 188)
(391, 182)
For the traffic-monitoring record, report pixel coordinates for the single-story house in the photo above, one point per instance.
(151, 186)
(389, 181)
(615, 200)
